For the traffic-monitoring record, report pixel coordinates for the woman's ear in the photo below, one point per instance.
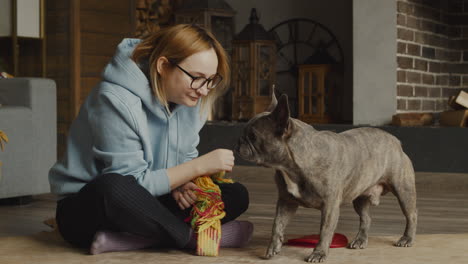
(161, 64)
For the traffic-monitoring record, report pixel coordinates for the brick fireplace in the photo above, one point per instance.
(432, 53)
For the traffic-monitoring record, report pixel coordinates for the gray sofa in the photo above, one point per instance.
(29, 118)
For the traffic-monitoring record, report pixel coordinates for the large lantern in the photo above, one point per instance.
(318, 83)
(214, 15)
(253, 70)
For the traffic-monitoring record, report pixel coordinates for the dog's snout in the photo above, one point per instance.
(237, 146)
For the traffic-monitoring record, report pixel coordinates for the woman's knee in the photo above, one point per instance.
(243, 196)
(236, 199)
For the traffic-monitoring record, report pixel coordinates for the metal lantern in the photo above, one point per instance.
(317, 85)
(253, 70)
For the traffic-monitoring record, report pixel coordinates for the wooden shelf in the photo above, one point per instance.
(24, 56)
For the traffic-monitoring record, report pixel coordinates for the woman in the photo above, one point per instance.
(125, 179)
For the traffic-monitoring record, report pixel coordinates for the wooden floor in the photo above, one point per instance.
(442, 204)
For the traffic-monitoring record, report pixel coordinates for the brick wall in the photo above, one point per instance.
(432, 53)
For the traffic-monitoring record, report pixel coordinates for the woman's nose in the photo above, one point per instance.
(203, 90)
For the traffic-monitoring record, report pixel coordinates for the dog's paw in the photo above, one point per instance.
(271, 252)
(273, 249)
(358, 243)
(405, 241)
(317, 256)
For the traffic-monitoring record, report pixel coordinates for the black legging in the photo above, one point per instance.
(118, 203)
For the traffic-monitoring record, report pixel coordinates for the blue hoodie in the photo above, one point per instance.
(122, 128)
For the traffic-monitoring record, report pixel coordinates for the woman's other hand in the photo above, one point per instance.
(184, 195)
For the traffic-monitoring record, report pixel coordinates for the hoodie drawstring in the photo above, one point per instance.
(177, 139)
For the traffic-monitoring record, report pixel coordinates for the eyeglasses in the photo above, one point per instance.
(198, 81)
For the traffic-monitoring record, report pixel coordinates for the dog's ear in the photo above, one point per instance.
(274, 102)
(281, 115)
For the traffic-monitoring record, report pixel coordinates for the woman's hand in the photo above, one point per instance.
(216, 161)
(184, 195)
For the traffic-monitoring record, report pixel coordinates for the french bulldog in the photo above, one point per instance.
(323, 169)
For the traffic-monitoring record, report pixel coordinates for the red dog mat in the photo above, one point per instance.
(310, 241)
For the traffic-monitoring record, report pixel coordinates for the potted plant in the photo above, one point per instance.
(3, 138)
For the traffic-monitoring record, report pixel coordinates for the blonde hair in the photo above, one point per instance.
(176, 43)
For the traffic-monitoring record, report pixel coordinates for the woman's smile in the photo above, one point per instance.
(193, 98)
